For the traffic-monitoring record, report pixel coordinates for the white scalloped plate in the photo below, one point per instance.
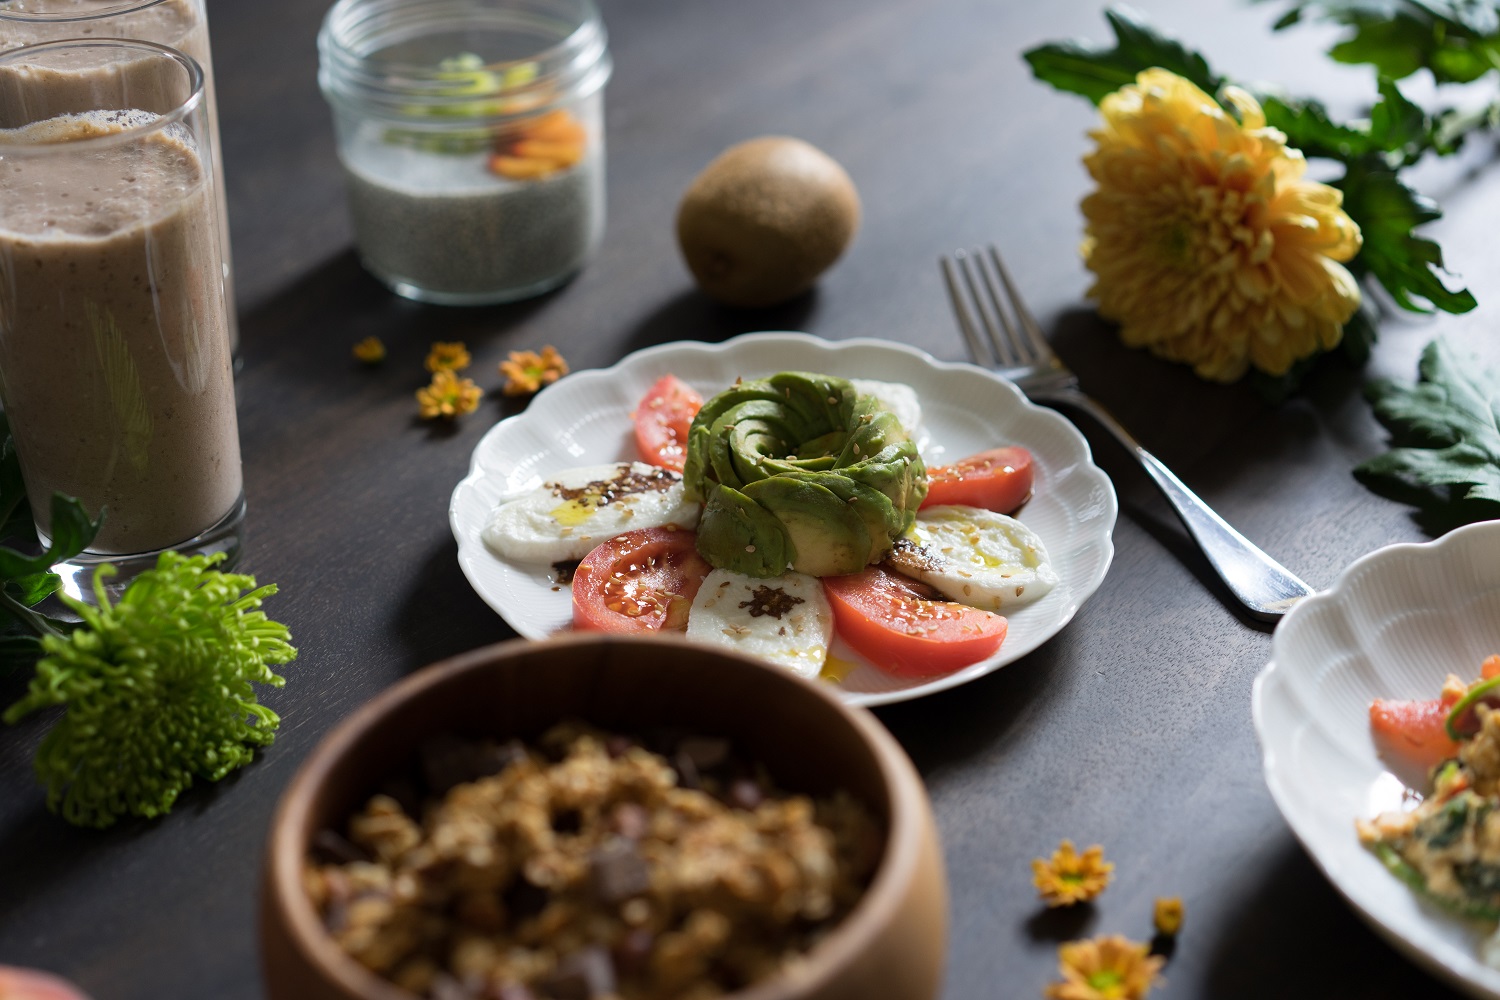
(1394, 625)
(585, 419)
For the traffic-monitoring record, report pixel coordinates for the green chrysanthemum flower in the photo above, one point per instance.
(156, 689)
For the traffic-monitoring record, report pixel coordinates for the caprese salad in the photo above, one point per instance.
(783, 511)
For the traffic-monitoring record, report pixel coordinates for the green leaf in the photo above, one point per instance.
(1309, 127)
(1409, 266)
(1457, 40)
(1095, 72)
(72, 531)
(1397, 125)
(1446, 435)
(1360, 334)
(32, 589)
(1395, 48)
(15, 512)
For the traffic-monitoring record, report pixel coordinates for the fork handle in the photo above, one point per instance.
(1266, 588)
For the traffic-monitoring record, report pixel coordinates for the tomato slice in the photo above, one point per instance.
(999, 479)
(1413, 730)
(905, 628)
(641, 581)
(662, 421)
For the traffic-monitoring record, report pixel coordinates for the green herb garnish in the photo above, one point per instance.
(26, 577)
(156, 689)
(1406, 872)
(1446, 435)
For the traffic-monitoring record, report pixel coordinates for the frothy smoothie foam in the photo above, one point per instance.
(115, 368)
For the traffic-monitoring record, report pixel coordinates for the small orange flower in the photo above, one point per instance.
(448, 396)
(1070, 877)
(1167, 915)
(450, 357)
(370, 350)
(1109, 968)
(527, 371)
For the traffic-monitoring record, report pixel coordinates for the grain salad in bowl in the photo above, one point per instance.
(604, 816)
(588, 864)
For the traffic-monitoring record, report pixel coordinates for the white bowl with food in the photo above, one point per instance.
(1391, 629)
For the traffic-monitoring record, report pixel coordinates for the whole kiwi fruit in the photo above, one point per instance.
(765, 219)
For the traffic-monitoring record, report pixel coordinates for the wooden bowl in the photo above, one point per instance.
(890, 946)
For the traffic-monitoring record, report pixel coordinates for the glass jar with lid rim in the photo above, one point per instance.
(471, 135)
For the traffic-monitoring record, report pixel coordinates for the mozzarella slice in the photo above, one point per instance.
(899, 398)
(786, 620)
(575, 510)
(975, 557)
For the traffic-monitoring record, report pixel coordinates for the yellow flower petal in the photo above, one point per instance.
(448, 396)
(1208, 244)
(1069, 877)
(447, 356)
(370, 350)
(527, 371)
(1167, 915)
(1107, 968)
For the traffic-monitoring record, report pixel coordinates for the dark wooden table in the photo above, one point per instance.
(1131, 728)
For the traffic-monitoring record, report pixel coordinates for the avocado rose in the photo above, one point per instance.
(800, 471)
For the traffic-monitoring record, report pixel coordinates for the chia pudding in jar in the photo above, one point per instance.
(471, 136)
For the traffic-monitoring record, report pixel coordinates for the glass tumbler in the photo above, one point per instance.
(115, 367)
(471, 134)
(179, 24)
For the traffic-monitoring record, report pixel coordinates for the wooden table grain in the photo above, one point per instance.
(1131, 728)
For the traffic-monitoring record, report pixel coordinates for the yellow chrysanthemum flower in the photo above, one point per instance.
(1167, 915)
(527, 371)
(370, 350)
(1207, 243)
(445, 356)
(1109, 968)
(1069, 877)
(448, 396)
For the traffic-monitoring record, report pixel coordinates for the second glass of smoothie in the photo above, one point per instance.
(115, 368)
(178, 24)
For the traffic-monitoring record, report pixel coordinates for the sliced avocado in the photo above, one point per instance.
(735, 533)
(882, 519)
(832, 467)
(820, 401)
(828, 538)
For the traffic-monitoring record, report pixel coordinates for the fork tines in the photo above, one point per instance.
(996, 325)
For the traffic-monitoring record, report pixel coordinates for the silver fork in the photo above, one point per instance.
(1021, 354)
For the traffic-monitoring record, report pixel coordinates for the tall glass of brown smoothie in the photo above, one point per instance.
(115, 369)
(179, 24)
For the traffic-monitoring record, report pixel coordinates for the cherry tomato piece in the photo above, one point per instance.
(999, 479)
(1413, 730)
(905, 627)
(662, 421)
(641, 581)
